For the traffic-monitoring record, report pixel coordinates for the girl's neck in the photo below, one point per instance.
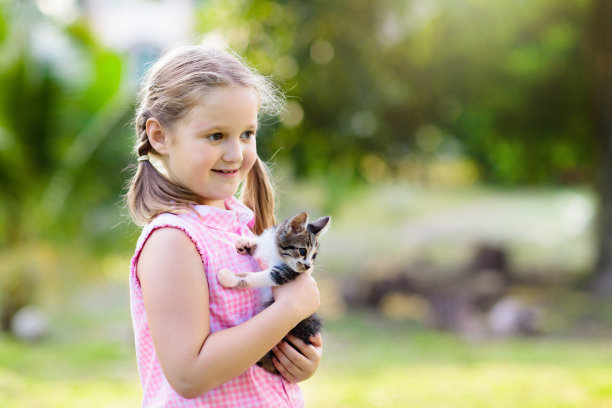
(215, 203)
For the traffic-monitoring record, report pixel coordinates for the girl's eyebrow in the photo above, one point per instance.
(219, 128)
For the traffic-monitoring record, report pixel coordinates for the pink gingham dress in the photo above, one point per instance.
(214, 234)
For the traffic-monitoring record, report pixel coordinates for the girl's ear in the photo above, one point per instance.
(158, 138)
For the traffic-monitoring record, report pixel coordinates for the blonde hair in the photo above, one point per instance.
(172, 86)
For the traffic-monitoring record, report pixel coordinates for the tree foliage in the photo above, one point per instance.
(61, 98)
(388, 82)
(375, 89)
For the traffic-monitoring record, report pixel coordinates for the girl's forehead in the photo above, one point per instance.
(222, 96)
(238, 103)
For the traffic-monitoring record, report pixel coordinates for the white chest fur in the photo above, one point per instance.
(267, 250)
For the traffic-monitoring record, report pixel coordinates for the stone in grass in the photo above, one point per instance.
(30, 324)
(511, 317)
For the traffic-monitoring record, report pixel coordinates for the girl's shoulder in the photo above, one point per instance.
(169, 243)
(168, 230)
(165, 221)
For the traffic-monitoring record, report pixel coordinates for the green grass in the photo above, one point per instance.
(368, 362)
(59, 374)
(375, 363)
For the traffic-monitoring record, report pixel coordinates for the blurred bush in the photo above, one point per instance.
(61, 101)
(18, 284)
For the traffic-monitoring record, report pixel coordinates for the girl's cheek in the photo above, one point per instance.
(252, 156)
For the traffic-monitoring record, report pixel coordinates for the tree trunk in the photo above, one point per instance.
(601, 43)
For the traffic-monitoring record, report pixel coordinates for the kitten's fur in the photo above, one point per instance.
(288, 250)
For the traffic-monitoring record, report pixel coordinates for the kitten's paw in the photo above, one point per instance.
(245, 246)
(227, 278)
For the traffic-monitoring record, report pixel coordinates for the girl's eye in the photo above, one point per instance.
(303, 251)
(215, 136)
(249, 134)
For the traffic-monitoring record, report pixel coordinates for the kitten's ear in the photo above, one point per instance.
(298, 223)
(319, 226)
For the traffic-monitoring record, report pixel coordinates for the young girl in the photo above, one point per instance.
(196, 342)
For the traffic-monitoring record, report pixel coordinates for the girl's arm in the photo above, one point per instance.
(175, 293)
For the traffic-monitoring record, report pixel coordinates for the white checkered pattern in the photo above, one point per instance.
(214, 234)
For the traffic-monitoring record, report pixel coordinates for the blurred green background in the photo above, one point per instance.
(462, 147)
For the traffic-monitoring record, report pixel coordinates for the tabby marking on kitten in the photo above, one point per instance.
(288, 249)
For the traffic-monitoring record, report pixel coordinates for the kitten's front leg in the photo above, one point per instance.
(230, 279)
(246, 245)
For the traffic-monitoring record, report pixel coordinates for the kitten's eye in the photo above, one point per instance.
(314, 256)
(303, 251)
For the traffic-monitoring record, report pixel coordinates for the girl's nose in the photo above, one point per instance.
(233, 151)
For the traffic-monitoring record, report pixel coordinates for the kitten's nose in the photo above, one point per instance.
(306, 265)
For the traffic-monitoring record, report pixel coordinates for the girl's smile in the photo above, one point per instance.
(226, 173)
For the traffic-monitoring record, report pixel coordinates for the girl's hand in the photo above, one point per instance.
(300, 297)
(294, 365)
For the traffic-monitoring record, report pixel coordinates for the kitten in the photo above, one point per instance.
(288, 249)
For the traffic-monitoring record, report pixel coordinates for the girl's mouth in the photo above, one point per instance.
(226, 172)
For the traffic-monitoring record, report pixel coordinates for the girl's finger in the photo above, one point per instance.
(310, 351)
(317, 340)
(286, 357)
(296, 356)
(283, 371)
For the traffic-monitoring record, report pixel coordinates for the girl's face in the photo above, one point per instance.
(211, 150)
